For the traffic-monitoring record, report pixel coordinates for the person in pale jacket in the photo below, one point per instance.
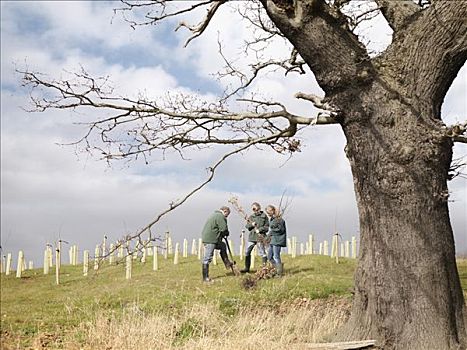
(258, 226)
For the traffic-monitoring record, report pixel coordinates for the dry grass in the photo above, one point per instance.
(157, 311)
(206, 327)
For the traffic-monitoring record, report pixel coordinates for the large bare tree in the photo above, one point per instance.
(407, 288)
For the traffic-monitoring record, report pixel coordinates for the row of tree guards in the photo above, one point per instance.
(119, 253)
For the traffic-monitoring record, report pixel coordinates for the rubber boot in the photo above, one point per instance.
(247, 264)
(206, 273)
(279, 270)
(228, 264)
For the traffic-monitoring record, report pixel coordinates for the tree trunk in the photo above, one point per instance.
(407, 288)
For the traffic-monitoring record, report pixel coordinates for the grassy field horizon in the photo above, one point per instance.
(172, 308)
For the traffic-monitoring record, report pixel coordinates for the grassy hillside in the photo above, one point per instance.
(104, 308)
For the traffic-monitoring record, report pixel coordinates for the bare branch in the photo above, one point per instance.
(211, 171)
(288, 65)
(200, 27)
(264, 32)
(139, 127)
(456, 168)
(157, 10)
(457, 132)
(257, 18)
(360, 13)
(181, 123)
(317, 101)
(238, 208)
(283, 204)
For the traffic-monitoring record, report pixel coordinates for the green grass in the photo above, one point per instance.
(35, 305)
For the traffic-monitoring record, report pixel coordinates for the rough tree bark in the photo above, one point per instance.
(407, 289)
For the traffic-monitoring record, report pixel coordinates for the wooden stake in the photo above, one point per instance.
(135, 255)
(155, 263)
(85, 262)
(185, 248)
(8, 264)
(46, 261)
(347, 249)
(50, 255)
(354, 247)
(193, 247)
(253, 254)
(310, 244)
(2, 269)
(351, 345)
(177, 248)
(57, 266)
(166, 251)
(231, 247)
(104, 247)
(111, 254)
(19, 267)
(200, 247)
(149, 247)
(170, 246)
(294, 247)
(96, 258)
(143, 258)
(326, 248)
(74, 251)
(334, 245)
(59, 260)
(129, 261)
(70, 255)
(242, 244)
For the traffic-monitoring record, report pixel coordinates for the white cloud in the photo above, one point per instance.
(67, 23)
(47, 190)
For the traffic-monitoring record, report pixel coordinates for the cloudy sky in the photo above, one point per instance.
(49, 191)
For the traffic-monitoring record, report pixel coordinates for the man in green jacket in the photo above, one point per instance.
(215, 229)
(258, 225)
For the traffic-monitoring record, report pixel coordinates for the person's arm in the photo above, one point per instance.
(250, 224)
(265, 227)
(275, 227)
(222, 226)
